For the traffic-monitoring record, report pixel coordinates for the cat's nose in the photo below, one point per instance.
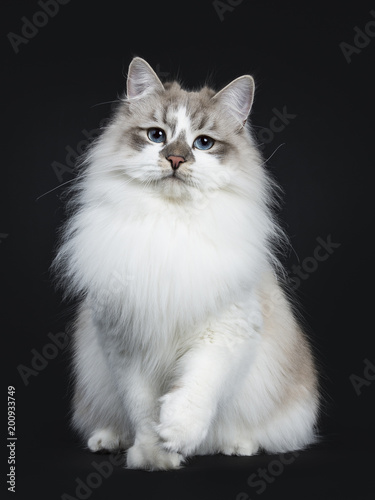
(175, 161)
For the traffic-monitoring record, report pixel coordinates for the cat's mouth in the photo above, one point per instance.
(174, 176)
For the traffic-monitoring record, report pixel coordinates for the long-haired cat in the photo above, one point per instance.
(184, 343)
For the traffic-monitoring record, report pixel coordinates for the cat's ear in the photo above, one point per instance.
(142, 79)
(238, 97)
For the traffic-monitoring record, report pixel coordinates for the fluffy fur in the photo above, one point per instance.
(185, 342)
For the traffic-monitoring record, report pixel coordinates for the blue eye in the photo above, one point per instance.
(156, 135)
(203, 142)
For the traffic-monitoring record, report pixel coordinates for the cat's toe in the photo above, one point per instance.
(182, 426)
(105, 440)
(152, 458)
(245, 447)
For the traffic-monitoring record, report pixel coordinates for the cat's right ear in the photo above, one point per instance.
(142, 79)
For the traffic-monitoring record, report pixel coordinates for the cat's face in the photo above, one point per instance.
(180, 142)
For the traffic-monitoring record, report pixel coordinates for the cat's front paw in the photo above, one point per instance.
(183, 424)
(150, 457)
(106, 440)
(245, 447)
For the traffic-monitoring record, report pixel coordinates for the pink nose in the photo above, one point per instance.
(175, 161)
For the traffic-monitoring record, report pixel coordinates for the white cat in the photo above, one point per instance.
(185, 342)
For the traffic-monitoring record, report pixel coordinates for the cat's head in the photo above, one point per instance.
(179, 142)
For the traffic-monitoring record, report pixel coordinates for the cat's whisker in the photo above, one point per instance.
(55, 188)
(105, 102)
(278, 147)
(80, 177)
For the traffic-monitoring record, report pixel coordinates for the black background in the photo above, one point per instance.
(55, 88)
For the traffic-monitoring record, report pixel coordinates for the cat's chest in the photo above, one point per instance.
(168, 260)
(163, 253)
(170, 270)
(173, 245)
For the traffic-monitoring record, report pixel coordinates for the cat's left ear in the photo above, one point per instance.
(142, 79)
(238, 97)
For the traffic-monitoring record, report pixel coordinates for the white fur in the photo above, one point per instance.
(183, 124)
(184, 341)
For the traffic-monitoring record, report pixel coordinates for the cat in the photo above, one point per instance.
(185, 341)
